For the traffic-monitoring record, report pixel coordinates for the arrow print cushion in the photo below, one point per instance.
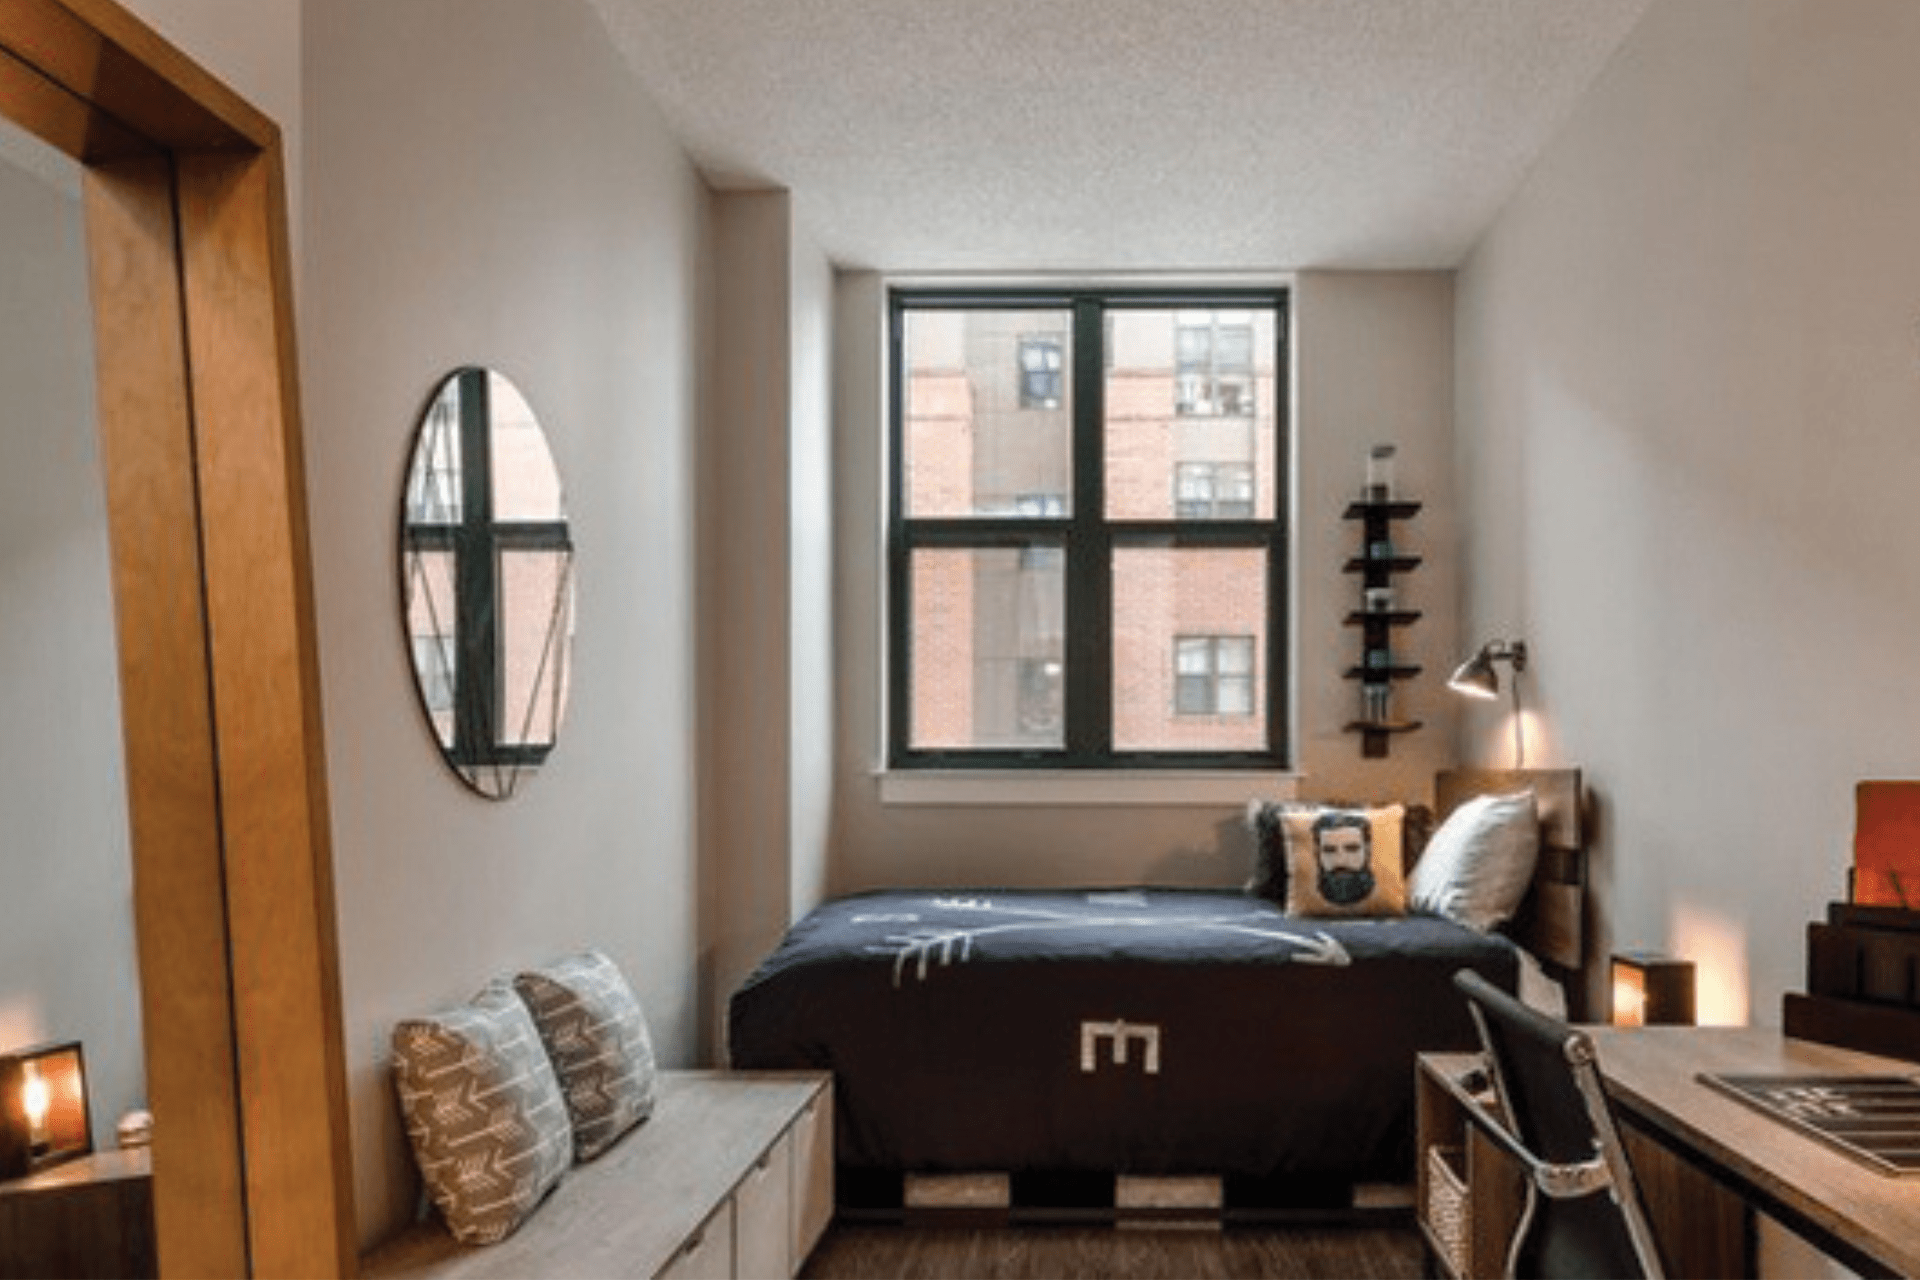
(484, 1113)
(596, 1035)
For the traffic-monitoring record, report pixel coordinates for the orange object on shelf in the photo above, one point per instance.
(1886, 844)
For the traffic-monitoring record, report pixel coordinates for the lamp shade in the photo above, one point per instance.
(1476, 677)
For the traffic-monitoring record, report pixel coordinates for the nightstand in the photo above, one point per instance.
(91, 1216)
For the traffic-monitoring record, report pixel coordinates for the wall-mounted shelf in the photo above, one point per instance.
(1392, 671)
(1376, 734)
(1390, 564)
(1377, 564)
(1382, 617)
(1393, 509)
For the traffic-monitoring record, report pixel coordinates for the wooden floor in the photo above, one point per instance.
(1067, 1253)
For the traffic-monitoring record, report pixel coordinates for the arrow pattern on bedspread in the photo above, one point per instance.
(922, 949)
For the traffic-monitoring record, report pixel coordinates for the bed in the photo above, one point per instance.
(1148, 1031)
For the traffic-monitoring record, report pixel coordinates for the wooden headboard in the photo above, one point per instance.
(1552, 920)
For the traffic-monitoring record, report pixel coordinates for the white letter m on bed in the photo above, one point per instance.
(1092, 1033)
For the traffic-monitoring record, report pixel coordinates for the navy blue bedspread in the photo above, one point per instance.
(1147, 1031)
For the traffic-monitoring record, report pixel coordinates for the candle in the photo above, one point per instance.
(34, 1095)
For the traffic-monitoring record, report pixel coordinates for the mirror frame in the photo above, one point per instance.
(186, 215)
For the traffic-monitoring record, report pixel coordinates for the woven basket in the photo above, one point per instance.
(1448, 1213)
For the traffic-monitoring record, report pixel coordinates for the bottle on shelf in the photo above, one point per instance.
(1380, 473)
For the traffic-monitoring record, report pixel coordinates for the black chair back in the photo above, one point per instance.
(1583, 1215)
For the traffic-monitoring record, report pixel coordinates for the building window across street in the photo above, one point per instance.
(1213, 676)
(1086, 555)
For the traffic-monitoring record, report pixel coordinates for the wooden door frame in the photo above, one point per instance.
(201, 449)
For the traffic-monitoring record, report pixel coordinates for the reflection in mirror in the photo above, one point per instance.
(486, 568)
(69, 965)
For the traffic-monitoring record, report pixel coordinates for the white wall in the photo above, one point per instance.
(68, 968)
(766, 573)
(746, 734)
(811, 548)
(1375, 356)
(487, 184)
(1689, 383)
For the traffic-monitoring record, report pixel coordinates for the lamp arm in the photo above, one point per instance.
(1519, 727)
(1517, 655)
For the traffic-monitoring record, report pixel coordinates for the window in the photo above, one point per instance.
(1213, 676)
(1086, 540)
(1214, 378)
(1040, 371)
(1209, 490)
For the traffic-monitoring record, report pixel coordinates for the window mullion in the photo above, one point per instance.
(477, 664)
(1089, 691)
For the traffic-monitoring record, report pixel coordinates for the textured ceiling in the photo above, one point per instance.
(1023, 135)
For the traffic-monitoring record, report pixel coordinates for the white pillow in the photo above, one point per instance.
(1477, 866)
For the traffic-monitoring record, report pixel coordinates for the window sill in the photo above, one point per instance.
(1169, 788)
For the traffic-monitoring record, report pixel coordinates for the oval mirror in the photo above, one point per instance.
(486, 572)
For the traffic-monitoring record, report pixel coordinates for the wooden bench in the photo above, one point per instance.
(731, 1177)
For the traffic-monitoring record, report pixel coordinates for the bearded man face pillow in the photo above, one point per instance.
(1345, 862)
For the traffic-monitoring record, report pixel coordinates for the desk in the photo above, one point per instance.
(1869, 1220)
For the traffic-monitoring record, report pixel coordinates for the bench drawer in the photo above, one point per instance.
(812, 1137)
(762, 1222)
(708, 1252)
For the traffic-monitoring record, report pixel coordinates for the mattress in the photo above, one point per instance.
(1145, 1031)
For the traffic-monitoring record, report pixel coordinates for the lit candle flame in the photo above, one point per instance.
(37, 1101)
(1629, 1004)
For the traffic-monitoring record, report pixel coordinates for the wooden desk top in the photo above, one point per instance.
(1651, 1072)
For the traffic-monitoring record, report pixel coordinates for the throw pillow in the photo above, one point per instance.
(1345, 862)
(596, 1035)
(483, 1113)
(1269, 878)
(1479, 863)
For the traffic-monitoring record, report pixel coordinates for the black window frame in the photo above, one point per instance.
(1088, 538)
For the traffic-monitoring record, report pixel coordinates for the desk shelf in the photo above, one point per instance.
(1469, 1193)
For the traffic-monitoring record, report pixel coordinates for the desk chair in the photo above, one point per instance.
(1583, 1215)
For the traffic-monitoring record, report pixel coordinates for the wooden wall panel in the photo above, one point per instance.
(146, 442)
(266, 699)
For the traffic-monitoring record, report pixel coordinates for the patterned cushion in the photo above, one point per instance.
(596, 1036)
(484, 1113)
(1345, 862)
